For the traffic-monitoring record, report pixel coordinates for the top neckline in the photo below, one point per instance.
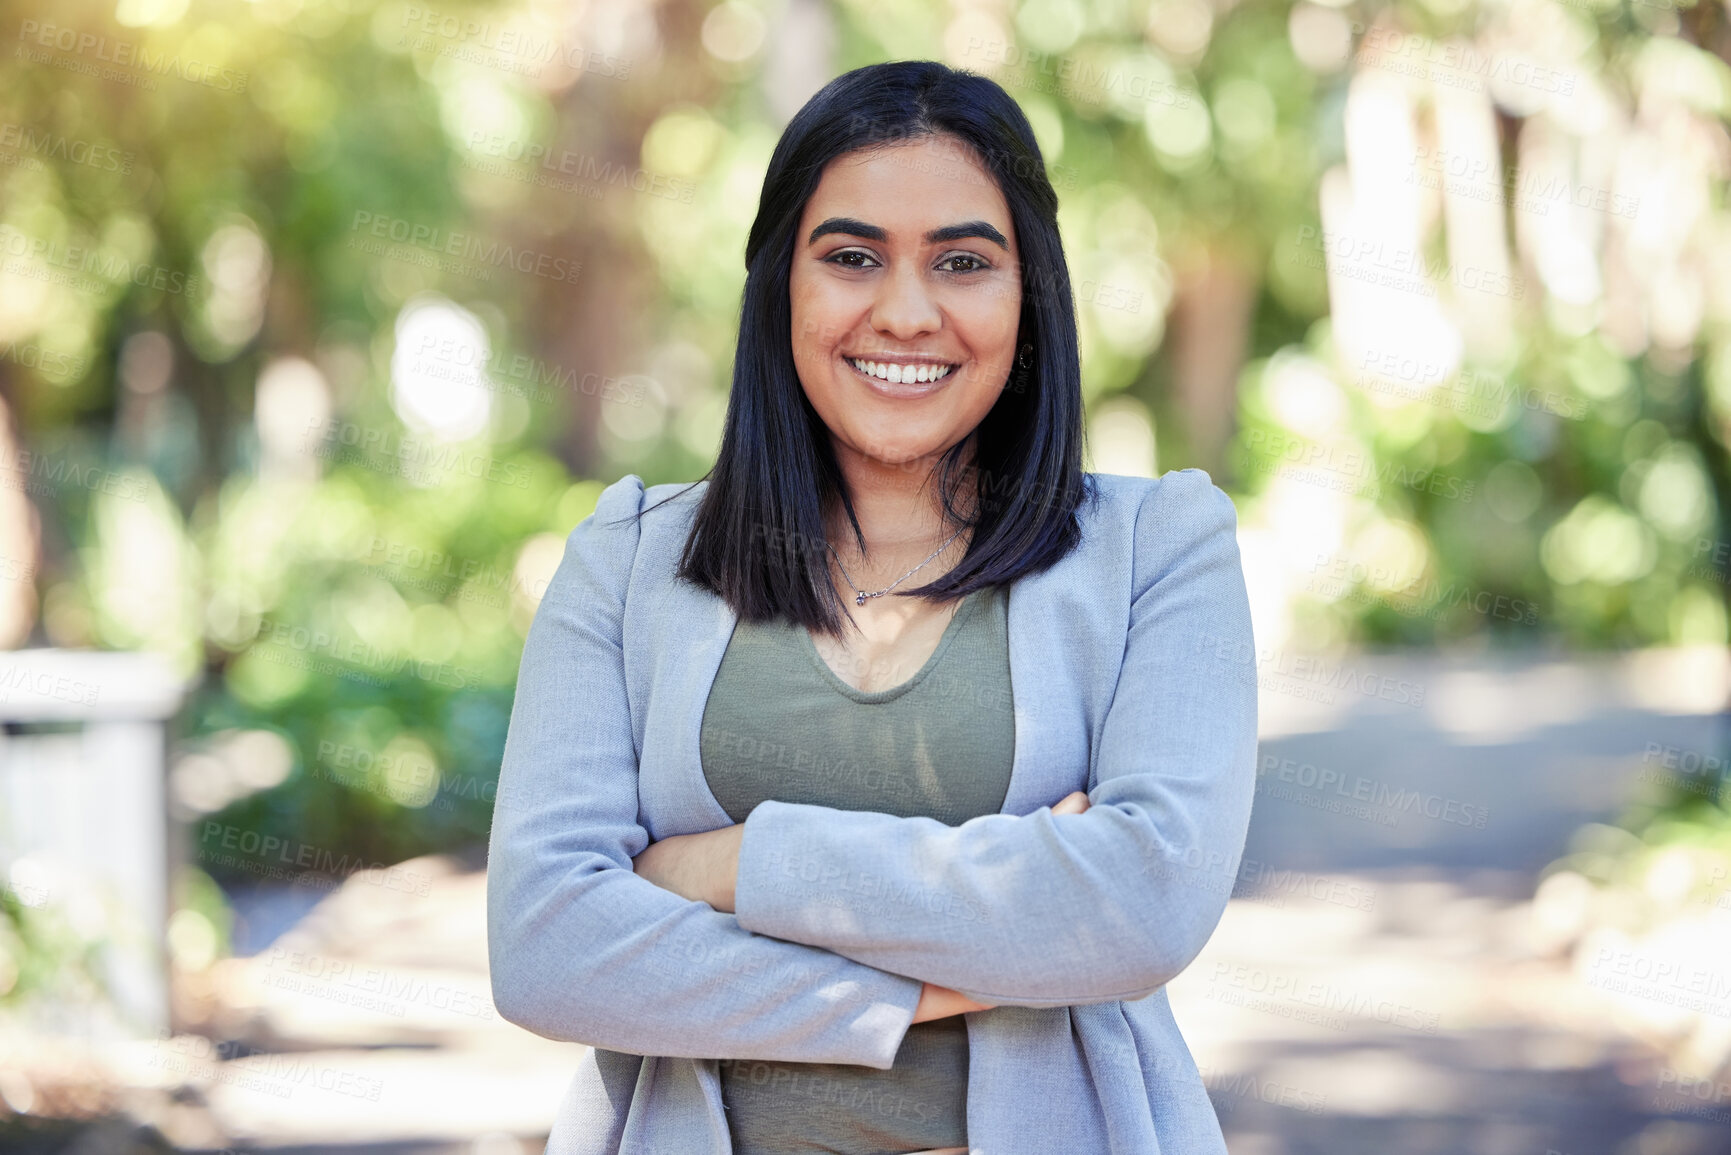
(969, 604)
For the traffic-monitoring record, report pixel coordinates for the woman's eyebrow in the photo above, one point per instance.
(857, 228)
(850, 227)
(970, 229)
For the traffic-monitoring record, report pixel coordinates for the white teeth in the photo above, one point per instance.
(898, 374)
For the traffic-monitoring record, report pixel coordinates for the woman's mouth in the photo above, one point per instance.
(901, 373)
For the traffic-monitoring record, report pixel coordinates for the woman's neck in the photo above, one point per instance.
(901, 514)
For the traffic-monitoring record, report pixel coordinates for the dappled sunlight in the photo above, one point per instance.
(324, 325)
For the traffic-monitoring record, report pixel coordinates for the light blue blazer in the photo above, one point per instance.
(1132, 673)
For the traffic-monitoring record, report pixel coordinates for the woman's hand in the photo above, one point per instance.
(701, 867)
(1075, 802)
(941, 1002)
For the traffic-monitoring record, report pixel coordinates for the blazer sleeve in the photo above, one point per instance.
(1045, 910)
(581, 948)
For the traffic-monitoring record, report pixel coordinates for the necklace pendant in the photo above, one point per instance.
(860, 600)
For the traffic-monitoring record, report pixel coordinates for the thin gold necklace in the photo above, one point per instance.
(860, 595)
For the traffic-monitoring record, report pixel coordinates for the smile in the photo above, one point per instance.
(900, 374)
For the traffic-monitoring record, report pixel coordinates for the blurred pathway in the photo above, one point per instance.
(1381, 985)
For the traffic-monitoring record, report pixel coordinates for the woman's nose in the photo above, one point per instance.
(904, 308)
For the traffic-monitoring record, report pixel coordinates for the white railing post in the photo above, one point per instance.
(84, 822)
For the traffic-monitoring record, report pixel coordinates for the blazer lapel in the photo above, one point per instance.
(1051, 725)
(675, 638)
(683, 645)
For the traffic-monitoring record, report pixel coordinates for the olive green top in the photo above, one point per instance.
(779, 723)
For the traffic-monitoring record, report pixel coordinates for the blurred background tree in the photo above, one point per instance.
(323, 322)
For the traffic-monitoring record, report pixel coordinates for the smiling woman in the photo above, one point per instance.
(887, 341)
(905, 328)
(797, 891)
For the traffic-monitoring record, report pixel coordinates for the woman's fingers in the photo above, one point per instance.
(941, 1002)
(1074, 802)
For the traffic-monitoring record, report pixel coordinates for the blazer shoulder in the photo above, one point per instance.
(1113, 498)
(1178, 494)
(601, 548)
(623, 503)
(1184, 522)
(623, 498)
(676, 493)
(1189, 496)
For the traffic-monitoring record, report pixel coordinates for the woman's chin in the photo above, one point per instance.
(901, 452)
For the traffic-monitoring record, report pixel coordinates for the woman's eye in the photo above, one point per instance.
(962, 263)
(851, 259)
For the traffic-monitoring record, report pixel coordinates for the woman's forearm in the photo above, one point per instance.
(701, 867)
(941, 1002)
(705, 868)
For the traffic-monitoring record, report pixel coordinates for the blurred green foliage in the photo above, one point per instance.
(196, 195)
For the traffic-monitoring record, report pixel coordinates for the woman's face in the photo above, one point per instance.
(906, 290)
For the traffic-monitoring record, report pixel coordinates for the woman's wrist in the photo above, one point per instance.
(725, 872)
(930, 1000)
(705, 868)
(701, 867)
(941, 1002)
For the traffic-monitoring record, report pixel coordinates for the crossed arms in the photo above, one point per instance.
(844, 919)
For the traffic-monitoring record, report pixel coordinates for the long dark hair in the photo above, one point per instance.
(758, 538)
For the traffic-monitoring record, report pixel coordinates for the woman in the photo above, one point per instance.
(865, 795)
